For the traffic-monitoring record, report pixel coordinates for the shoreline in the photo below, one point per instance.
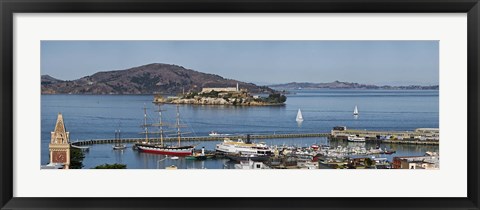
(206, 104)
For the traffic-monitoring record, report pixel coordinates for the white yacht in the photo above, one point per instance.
(245, 148)
(354, 138)
(215, 133)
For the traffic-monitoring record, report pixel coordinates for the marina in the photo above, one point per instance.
(290, 152)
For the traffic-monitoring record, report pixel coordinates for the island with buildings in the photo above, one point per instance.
(223, 96)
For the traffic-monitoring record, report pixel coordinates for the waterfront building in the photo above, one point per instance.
(59, 146)
(416, 162)
(226, 89)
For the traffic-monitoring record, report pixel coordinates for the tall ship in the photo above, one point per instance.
(161, 148)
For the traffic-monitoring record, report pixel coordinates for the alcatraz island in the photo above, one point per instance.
(223, 96)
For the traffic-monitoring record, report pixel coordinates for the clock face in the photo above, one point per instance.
(59, 157)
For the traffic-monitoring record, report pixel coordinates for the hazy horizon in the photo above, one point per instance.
(397, 63)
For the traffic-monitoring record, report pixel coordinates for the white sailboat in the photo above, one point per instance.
(355, 111)
(299, 116)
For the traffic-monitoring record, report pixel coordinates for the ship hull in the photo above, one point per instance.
(174, 151)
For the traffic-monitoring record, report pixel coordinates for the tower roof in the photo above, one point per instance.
(60, 134)
(60, 126)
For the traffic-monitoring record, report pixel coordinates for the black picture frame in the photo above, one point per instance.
(10, 7)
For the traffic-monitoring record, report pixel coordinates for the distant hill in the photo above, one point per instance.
(347, 85)
(148, 79)
(47, 79)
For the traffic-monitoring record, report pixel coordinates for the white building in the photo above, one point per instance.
(226, 89)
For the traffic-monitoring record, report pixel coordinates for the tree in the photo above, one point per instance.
(76, 158)
(276, 98)
(211, 94)
(368, 162)
(111, 166)
(190, 95)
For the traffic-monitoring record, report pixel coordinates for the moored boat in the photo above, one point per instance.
(389, 152)
(240, 147)
(197, 155)
(165, 150)
(149, 147)
(215, 133)
(119, 147)
(118, 144)
(354, 138)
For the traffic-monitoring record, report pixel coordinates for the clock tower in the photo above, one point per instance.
(59, 144)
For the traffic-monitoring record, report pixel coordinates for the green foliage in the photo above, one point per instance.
(211, 94)
(229, 95)
(111, 166)
(276, 98)
(368, 162)
(76, 158)
(190, 95)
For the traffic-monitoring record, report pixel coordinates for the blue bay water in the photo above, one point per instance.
(98, 116)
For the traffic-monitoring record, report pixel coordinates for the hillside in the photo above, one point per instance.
(153, 78)
(347, 85)
(47, 79)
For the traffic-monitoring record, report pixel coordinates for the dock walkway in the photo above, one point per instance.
(199, 138)
(394, 137)
(333, 136)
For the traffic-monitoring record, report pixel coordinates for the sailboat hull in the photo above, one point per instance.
(119, 147)
(177, 151)
(355, 111)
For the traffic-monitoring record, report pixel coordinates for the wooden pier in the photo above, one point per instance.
(334, 135)
(390, 141)
(430, 136)
(200, 138)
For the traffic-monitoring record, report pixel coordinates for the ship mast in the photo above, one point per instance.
(116, 137)
(178, 126)
(160, 124)
(145, 122)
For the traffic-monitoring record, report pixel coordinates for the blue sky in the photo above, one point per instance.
(261, 62)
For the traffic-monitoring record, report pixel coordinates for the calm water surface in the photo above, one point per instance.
(98, 116)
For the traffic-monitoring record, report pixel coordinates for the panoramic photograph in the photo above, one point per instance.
(246, 105)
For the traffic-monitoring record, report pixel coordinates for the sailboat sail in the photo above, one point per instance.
(355, 111)
(299, 116)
